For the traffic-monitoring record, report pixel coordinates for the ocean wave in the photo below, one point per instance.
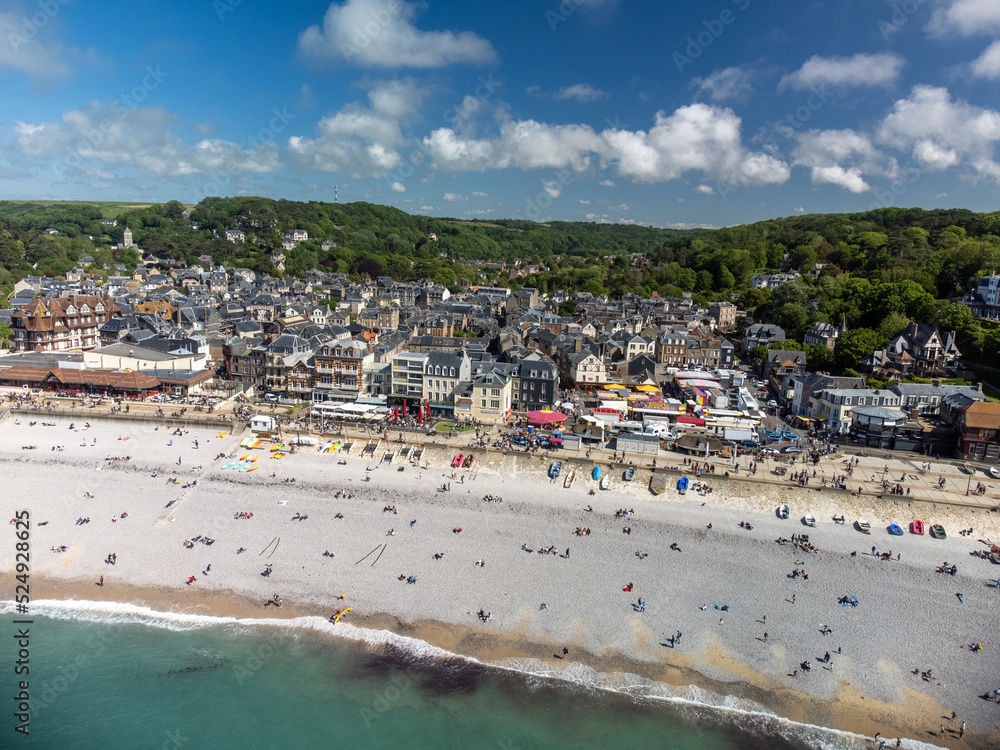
(690, 700)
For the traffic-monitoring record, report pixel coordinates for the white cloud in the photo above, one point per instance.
(839, 157)
(728, 83)
(143, 138)
(479, 194)
(987, 65)
(608, 183)
(400, 98)
(428, 208)
(695, 137)
(552, 187)
(965, 18)
(582, 92)
(399, 187)
(585, 203)
(942, 133)
(880, 69)
(358, 140)
(623, 207)
(800, 210)
(705, 189)
(525, 143)
(849, 179)
(25, 47)
(355, 140)
(378, 34)
(454, 198)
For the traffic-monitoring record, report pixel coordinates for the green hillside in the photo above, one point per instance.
(878, 269)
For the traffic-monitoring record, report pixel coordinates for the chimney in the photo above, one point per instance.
(577, 345)
(936, 383)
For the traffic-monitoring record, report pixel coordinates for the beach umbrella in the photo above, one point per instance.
(420, 415)
(395, 412)
(404, 408)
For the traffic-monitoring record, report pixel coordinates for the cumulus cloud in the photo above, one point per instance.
(965, 18)
(400, 98)
(358, 140)
(479, 194)
(582, 92)
(838, 157)
(880, 69)
(942, 133)
(143, 138)
(705, 189)
(988, 64)
(552, 187)
(383, 35)
(608, 183)
(695, 137)
(454, 198)
(525, 143)
(399, 187)
(728, 83)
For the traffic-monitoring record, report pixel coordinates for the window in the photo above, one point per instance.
(494, 404)
(494, 392)
(452, 372)
(483, 402)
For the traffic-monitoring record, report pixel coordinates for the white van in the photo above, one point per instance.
(659, 428)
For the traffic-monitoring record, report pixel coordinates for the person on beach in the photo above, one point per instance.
(101, 582)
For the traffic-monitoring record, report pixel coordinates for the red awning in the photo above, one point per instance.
(545, 417)
(692, 420)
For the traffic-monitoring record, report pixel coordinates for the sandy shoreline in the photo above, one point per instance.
(909, 615)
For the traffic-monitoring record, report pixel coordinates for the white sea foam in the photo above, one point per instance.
(689, 700)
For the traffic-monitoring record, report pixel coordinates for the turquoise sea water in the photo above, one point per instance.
(127, 679)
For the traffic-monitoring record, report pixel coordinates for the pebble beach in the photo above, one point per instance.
(722, 587)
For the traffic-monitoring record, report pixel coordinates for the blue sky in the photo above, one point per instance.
(664, 113)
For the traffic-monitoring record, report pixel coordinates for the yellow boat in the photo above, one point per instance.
(221, 434)
(277, 447)
(341, 614)
(245, 457)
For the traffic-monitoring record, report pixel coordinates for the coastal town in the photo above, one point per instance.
(642, 374)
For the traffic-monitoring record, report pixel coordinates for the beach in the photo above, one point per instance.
(908, 615)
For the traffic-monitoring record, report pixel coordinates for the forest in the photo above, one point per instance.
(876, 270)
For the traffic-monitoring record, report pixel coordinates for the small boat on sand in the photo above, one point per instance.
(468, 461)
(783, 511)
(916, 526)
(863, 526)
(938, 532)
(554, 469)
(682, 485)
(629, 474)
(895, 529)
(457, 461)
(569, 479)
(596, 473)
(809, 521)
(605, 481)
